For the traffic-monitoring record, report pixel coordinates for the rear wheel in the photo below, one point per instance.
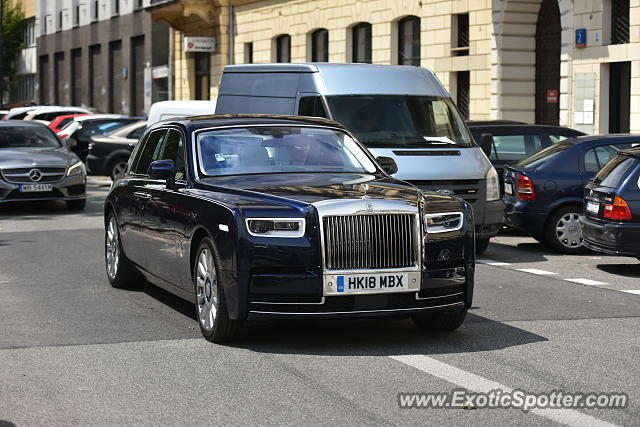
(211, 304)
(120, 273)
(481, 245)
(76, 205)
(440, 322)
(117, 167)
(563, 232)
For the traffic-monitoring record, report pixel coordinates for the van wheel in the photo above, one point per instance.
(441, 322)
(563, 232)
(481, 245)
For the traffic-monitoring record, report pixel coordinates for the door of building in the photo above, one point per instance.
(619, 97)
(548, 39)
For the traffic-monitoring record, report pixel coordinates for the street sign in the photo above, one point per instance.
(552, 96)
(199, 44)
(581, 37)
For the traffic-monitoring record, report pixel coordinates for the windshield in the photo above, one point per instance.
(401, 120)
(546, 154)
(279, 149)
(16, 136)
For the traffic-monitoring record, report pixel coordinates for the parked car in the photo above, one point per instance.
(402, 112)
(109, 154)
(611, 216)
(83, 128)
(164, 110)
(60, 122)
(513, 141)
(36, 165)
(279, 217)
(544, 193)
(49, 113)
(19, 113)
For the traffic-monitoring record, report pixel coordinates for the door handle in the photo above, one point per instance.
(140, 195)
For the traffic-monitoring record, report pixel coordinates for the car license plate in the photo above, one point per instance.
(592, 207)
(508, 189)
(369, 283)
(35, 188)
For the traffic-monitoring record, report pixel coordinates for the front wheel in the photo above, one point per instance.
(439, 322)
(563, 232)
(211, 304)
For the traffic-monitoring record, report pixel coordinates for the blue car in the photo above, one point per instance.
(544, 193)
(611, 221)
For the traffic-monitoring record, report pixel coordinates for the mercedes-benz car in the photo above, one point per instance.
(268, 217)
(36, 165)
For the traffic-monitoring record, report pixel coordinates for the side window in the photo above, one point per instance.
(312, 106)
(515, 147)
(150, 152)
(597, 157)
(174, 150)
(556, 138)
(136, 134)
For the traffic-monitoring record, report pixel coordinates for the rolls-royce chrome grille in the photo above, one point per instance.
(375, 241)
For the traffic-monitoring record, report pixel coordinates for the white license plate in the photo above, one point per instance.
(34, 188)
(508, 189)
(592, 207)
(371, 283)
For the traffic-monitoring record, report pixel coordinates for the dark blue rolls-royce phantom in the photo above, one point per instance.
(258, 217)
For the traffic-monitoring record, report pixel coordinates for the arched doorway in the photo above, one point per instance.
(548, 41)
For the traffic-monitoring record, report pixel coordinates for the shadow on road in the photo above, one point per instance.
(627, 270)
(526, 252)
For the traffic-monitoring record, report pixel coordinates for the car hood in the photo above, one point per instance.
(27, 157)
(311, 188)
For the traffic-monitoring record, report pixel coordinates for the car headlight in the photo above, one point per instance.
(276, 227)
(76, 169)
(443, 222)
(493, 186)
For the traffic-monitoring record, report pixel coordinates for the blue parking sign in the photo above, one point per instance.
(581, 37)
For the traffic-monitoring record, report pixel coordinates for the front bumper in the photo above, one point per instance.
(614, 238)
(491, 222)
(69, 188)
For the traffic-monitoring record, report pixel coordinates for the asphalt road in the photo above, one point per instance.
(75, 351)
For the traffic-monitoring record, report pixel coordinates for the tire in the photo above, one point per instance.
(120, 273)
(76, 205)
(481, 245)
(211, 305)
(563, 232)
(117, 167)
(440, 322)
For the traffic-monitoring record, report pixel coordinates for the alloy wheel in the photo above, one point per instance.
(206, 289)
(112, 248)
(118, 169)
(568, 231)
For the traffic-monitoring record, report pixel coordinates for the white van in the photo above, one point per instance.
(171, 109)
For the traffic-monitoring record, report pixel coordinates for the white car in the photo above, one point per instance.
(49, 113)
(173, 109)
(19, 113)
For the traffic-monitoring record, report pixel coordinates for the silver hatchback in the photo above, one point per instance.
(36, 165)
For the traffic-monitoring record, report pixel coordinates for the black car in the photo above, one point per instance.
(109, 154)
(263, 217)
(544, 193)
(90, 127)
(513, 141)
(611, 221)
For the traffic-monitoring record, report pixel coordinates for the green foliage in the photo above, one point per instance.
(13, 37)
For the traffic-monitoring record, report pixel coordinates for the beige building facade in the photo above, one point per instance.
(569, 62)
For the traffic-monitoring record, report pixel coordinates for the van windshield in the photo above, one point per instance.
(401, 120)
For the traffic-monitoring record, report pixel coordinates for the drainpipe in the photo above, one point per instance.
(230, 56)
(171, 77)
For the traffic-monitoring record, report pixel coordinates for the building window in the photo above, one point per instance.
(203, 75)
(116, 7)
(361, 42)
(30, 32)
(619, 21)
(462, 93)
(320, 45)
(283, 48)
(96, 4)
(460, 34)
(409, 41)
(76, 16)
(248, 53)
(59, 21)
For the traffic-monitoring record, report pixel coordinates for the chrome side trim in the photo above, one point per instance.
(290, 303)
(461, 304)
(440, 296)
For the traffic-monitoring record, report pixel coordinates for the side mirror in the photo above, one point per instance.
(486, 143)
(70, 142)
(162, 169)
(387, 164)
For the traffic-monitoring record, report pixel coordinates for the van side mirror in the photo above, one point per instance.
(486, 143)
(162, 169)
(387, 164)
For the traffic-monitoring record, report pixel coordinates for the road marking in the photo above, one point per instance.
(633, 291)
(492, 262)
(478, 384)
(4, 281)
(535, 271)
(587, 282)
